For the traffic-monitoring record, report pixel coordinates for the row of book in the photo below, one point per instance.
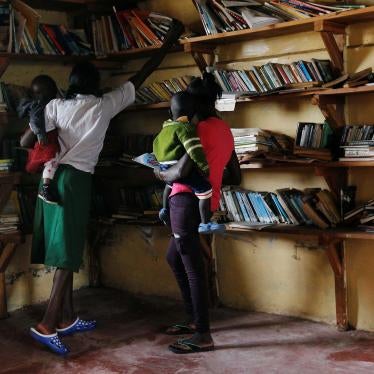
(314, 140)
(140, 205)
(357, 143)
(312, 206)
(18, 212)
(120, 150)
(6, 165)
(127, 29)
(230, 15)
(273, 77)
(162, 91)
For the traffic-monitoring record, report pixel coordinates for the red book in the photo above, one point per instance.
(52, 35)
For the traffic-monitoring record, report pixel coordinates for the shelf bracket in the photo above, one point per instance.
(332, 108)
(336, 178)
(336, 256)
(333, 37)
(199, 54)
(4, 63)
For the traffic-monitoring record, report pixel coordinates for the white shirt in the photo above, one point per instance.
(82, 123)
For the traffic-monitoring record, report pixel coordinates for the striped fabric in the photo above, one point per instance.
(175, 139)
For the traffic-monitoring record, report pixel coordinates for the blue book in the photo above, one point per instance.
(305, 71)
(242, 206)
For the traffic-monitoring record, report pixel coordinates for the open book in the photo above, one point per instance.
(147, 159)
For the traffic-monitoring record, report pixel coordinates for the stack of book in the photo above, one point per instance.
(162, 91)
(357, 143)
(363, 216)
(140, 205)
(274, 77)
(230, 15)
(287, 206)
(127, 29)
(313, 140)
(252, 143)
(6, 165)
(360, 78)
(10, 215)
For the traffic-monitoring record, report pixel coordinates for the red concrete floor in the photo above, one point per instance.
(129, 340)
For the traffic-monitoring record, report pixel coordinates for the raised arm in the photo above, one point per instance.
(180, 170)
(232, 174)
(171, 38)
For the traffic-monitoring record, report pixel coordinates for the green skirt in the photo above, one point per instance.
(60, 230)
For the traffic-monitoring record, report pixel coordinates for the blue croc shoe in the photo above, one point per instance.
(51, 341)
(211, 228)
(79, 325)
(217, 227)
(204, 228)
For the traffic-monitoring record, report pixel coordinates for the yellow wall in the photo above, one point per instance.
(259, 272)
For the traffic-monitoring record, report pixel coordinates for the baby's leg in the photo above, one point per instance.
(47, 193)
(204, 208)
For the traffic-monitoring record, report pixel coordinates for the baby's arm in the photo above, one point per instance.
(191, 143)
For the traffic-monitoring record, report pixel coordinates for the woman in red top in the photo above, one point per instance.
(185, 255)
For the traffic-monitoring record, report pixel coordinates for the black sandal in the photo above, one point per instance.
(180, 329)
(186, 347)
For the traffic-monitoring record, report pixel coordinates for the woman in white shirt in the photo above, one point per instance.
(82, 119)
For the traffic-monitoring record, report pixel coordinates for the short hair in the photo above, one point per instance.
(47, 82)
(183, 104)
(84, 79)
(206, 91)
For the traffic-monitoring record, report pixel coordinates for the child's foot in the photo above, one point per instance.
(164, 216)
(211, 228)
(47, 194)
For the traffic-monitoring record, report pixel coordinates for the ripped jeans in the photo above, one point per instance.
(186, 259)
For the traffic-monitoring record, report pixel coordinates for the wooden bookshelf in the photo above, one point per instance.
(316, 164)
(307, 231)
(284, 28)
(275, 96)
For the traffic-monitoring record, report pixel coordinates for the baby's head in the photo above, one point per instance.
(43, 88)
(182, 104)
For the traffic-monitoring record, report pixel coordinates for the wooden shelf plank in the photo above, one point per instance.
(133, 53)
(13, 178)
(284, 28)
(295, 165)
(338, 233)
(140, 107)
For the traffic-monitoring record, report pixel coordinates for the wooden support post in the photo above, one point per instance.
(328, 30)
(5, 258)
(198, 55)
(4, 63)
(335, 178)
(332, 109)
(336, 256)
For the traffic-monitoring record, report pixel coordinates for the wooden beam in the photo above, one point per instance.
(3, 302)
(4, 63)
(332, 108)
(329, 26)
(335, 53)
(335, 178)
(335, 254)
(6, 256)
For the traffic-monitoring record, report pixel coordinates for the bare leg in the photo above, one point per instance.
(204, 209)
(67, 316)
(54, 309)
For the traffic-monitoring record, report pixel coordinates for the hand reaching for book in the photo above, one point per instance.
(174, 33)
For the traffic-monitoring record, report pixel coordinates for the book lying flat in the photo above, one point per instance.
(147, 159)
